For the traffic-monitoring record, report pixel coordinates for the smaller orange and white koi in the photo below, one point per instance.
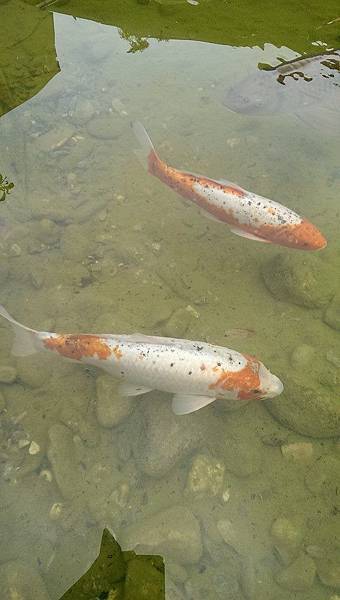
(249, 215)
(196, 373)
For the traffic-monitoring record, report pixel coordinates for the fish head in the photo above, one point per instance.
(305, 236)
(258, 94)
(253, 381)
(270, 385)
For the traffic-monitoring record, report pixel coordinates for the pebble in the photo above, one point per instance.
(7, 374)
(173, 532)
(111, 408)
(205, 476)
(55, 511)
(34, 448)
(15, 250)
(55, 138)
(298, 576)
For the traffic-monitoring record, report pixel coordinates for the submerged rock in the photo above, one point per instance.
(21, 582)
(173, 532)
(217, 582)
(64, 461)
(300, 452)
(323, 479)
(298, 576)
(165, 438)
(111, 408)
(8, 374)
(302, 356)
(81, 112)
(287, 536)
(179, 323)
(328, 569)
(299, 278)
(311, 410)
(107, 127)
(332, 313)
(205, 476)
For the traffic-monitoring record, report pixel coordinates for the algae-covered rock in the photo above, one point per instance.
(111, 407)
(328, 569)
(298, 576)
(173, 532)
(287, 535)
(21, 582)
(312, 410)
(299, 278)
(332, 313)
(145, 579)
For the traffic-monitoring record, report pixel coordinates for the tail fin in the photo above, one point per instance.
(25, 341)
(147, 150)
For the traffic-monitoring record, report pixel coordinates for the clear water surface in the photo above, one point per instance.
(243, 501)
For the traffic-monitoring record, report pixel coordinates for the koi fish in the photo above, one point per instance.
(249, 215)
(196, 373)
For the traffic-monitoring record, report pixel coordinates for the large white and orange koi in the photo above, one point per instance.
(196, 373)
(249, 215)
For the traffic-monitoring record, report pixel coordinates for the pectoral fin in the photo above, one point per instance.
(183, 404)
(249, 236)
(131, 389)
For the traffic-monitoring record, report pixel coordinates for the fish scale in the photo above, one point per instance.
(174, 367)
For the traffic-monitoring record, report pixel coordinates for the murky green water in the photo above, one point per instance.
(243, 502)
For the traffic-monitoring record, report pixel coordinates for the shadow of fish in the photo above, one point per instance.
(308, 88)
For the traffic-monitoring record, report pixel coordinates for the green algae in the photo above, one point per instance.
(117, 575)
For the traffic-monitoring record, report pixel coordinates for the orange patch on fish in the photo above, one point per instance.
(246, 381)
(117, 352)
(78, 346)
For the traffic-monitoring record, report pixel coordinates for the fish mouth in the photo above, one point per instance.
(276, 387)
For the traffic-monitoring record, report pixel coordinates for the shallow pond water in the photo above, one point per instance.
(242, 500)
